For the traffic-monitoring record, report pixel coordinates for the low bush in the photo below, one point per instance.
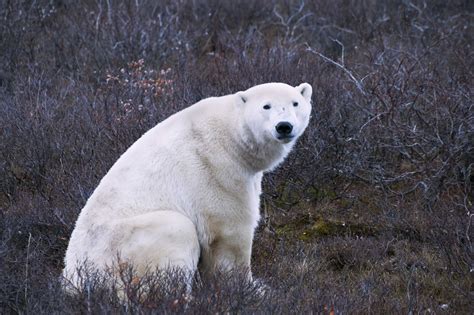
(371, 213)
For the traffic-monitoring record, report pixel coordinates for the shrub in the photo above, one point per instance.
(371, 213)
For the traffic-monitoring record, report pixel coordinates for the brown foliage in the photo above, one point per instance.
(371, 213)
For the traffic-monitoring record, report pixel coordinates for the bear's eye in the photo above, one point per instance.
(266, 106)
(295, 104)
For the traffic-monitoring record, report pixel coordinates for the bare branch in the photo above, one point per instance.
(357, 82)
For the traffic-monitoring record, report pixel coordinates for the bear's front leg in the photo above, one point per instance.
(229, 251)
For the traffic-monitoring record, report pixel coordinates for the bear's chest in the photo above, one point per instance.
(226, 214)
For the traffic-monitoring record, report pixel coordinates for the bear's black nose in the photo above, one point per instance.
(284, 128)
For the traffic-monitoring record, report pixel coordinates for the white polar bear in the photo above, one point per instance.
(188, 190)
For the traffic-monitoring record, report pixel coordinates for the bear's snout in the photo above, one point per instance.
(284, 128)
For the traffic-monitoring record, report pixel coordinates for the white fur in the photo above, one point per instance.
(190, 186)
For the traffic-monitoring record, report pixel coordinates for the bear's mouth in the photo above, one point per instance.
(286, 139)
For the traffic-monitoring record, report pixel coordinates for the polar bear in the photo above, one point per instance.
(188, 190)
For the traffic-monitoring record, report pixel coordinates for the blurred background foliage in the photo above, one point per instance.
(371, 213)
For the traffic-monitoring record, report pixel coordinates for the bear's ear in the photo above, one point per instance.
(241, 98)
(306, 90)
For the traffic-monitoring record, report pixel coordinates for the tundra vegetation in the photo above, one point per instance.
(371, 213)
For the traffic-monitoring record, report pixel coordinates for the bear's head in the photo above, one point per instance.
(276, 112)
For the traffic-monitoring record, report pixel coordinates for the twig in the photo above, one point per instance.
(288, 23)
(342, 51)
(97, 21)
(26, 267)
(340, 66)
(109, 12)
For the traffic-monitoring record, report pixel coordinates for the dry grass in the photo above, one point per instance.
(371, 213)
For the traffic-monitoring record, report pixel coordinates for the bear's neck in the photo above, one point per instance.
(259, 155)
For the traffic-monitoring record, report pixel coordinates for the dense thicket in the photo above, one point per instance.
(372, 212)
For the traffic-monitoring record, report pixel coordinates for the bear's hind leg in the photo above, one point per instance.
(161, 239)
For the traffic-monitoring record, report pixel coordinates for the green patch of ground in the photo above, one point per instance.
(307, 229)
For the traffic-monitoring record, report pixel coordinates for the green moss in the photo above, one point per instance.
(287, 195)
(367, 203)
(322, 227)
(344, 203)
(284, 230)
(305, 236)
(307, 229)
(320, 193)
(319, 228)
(291, 229)
(399, 186)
